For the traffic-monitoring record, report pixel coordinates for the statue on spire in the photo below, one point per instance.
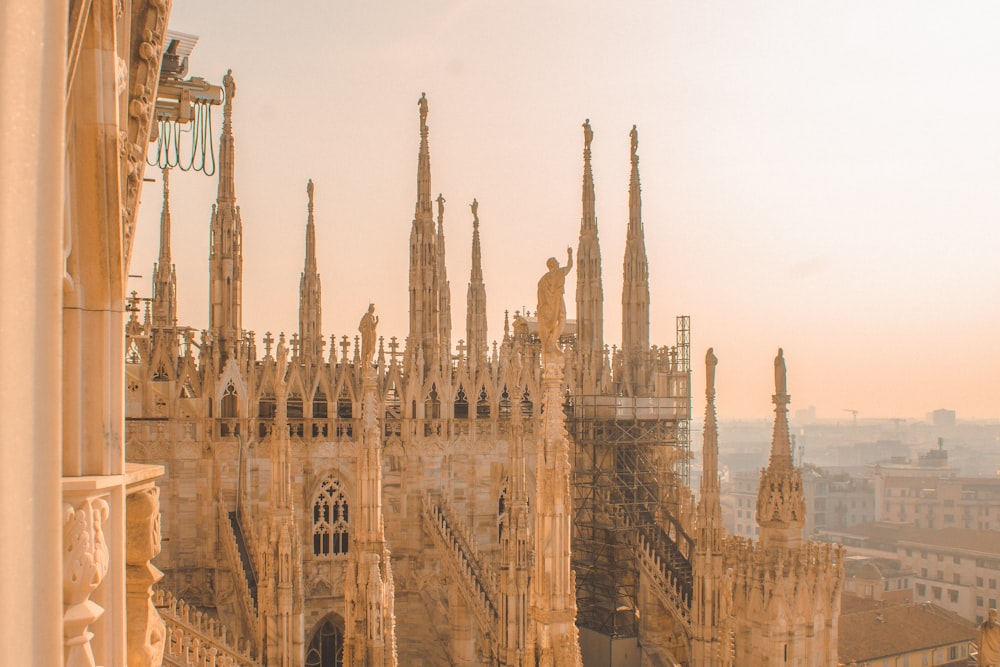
(367, 328)
(475, 212)
(711, 361)
(588, 135)
(780, 374)
(422, 103)
(441, 200)
(309, 192)
(634, 138)
(229, 86)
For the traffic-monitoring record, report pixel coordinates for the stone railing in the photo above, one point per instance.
(664, 556)
(194, 639)
(235, 562)
(667, 575)
(478, 588)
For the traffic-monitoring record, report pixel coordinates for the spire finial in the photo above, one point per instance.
(440, 201)
(588, 135)
(309, 192)
(475, 213)
(634, 139)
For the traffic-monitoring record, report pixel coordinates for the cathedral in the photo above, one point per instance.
(439, 499)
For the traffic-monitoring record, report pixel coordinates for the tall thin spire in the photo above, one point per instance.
(589, 285)
(635, 288)
(708, 608)
(227, 145)
(310, 293)
(423, 208)
(444, 287)
(781, 505)
(164, 273)
(226, 254)
(709, 504)
(475, 319)
(425, 259)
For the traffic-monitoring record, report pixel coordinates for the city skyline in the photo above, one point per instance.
(822, 179)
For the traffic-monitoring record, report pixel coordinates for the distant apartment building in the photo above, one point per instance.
(929, 494)
(956, 568)
(943, 417)
(739, 503)
(836, 500)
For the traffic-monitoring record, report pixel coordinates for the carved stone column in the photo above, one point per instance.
(145, 630)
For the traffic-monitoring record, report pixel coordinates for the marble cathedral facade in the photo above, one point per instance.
(377, 501)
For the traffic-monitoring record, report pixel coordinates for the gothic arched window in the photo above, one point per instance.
(327, 647)
(330, 520)
(230, 403)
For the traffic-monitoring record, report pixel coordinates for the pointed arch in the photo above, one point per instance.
(326, 646)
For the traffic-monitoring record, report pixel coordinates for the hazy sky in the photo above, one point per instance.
(821, 176)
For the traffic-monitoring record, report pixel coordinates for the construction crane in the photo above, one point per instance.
(854, 413)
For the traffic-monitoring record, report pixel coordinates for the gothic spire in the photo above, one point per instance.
(589, 286)
(444, 300)
(426, 258)
(227, 145)
(475, 323)
(709, 504)
(164, 273)
(635, 289)
(423, 208)
(781, 505)
(310, 293)
(226, 254)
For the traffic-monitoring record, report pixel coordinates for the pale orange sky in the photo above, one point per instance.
(819, 176)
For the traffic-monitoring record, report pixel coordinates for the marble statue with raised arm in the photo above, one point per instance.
(551, 311)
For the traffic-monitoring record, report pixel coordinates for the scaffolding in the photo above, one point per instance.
(631, 456)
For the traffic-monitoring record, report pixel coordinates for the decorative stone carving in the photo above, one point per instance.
(85, 563)
(145, 627)
(369, 321)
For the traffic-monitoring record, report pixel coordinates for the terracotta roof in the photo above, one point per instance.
(954, 539)
(896, 630)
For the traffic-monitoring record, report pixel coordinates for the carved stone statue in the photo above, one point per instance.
(551, 310)
(367, 328)
(780, 374)
(229, 85)
(711, 361)
(634, 138)
(440, 200)
(588, 135)
(475, 210)
(422, 103)
(989, 641)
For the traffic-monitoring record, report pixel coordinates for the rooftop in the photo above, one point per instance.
(896, 630)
